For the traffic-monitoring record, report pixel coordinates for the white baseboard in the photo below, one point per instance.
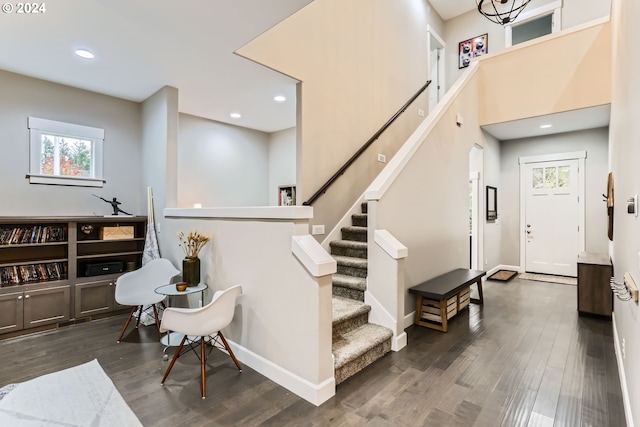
(379, 315)
(316, 394)
(408, 319)
(399, 342)
(623, 377)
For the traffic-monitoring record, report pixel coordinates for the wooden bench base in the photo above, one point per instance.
(441, 298)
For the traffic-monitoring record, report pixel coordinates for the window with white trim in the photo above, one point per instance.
(534, 23)
(65, 153)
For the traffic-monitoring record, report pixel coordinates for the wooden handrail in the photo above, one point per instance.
(362, 149)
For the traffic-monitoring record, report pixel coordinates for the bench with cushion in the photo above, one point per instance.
(439, 299)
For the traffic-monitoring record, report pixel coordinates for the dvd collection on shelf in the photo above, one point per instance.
(33, 234)
(30, 273)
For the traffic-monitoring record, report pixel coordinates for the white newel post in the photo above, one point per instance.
(385, 281)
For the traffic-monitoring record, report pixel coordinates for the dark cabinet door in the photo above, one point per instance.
(46, 306)
(11, 307)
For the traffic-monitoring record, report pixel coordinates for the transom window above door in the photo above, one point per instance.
(551, 177)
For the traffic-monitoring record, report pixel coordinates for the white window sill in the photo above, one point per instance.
(65, 180)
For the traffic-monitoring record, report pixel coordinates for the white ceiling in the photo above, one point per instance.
(586, 118)
(448, 9)
(143, 45)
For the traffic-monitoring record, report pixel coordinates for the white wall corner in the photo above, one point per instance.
(390, 244)
(313, 256)
(623, 377)
(380, 316)
(314, 393)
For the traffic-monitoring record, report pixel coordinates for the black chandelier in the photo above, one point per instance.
(500, 11)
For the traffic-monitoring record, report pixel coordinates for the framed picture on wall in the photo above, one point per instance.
(471, 48)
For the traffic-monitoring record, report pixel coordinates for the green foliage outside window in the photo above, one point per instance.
(65, 156)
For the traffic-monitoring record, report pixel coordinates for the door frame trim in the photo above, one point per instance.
(525, 160)
(439, 88)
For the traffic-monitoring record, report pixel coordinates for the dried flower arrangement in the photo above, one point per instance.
(192, 243)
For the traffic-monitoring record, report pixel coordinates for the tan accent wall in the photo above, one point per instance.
(357, 65)
(563, 73)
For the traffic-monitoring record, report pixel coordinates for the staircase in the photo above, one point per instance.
(356, 342)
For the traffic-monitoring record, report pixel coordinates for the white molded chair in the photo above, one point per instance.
(202, 322)
(137, 288)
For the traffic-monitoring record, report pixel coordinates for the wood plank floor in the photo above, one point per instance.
(523, 359)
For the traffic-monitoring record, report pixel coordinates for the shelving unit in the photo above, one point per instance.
(34, 260)
(45, 282)
(287, 195)
(94, 294)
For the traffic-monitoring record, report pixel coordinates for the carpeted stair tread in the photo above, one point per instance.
(359, 220)
(349, 244)
(354, 228)
(343, 309)
(354, 233)
(351, 261)
(352, 282)
(357, 342)
(349, 248)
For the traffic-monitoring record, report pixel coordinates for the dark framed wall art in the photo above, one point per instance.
(471, 48)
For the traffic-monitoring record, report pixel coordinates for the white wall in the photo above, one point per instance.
(492, 229)
(282, 162)
(21, 97)
(159, 147)
(624, 152)
(472, 24)
(595, 143)
(221, 165)
(425, 204)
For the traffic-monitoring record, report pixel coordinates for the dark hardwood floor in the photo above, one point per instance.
(523, 359)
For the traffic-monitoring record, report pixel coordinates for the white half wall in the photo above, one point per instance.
(283, 318)
(472, 24)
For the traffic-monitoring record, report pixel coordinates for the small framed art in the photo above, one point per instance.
(472, 48)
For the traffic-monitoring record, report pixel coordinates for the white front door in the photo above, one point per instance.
(552, 217)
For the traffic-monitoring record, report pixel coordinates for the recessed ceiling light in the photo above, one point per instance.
(279, 98)
(545, 126)
(84, 53)
(235, 115)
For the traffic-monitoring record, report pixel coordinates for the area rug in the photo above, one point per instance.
(549, 278)
(76, 397)
(503, 275)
